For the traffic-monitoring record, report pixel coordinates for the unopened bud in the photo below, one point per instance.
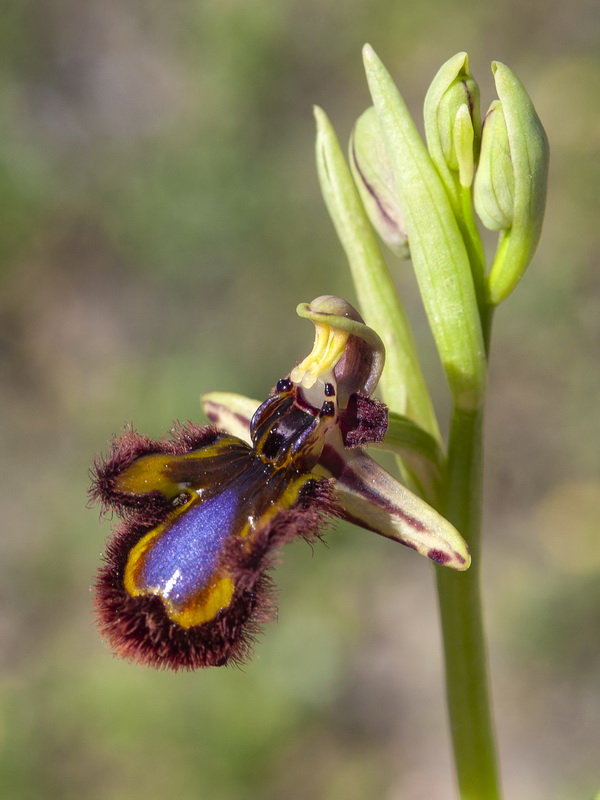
(452, 123)
(372, 173)
(518, 179)
(494, 191)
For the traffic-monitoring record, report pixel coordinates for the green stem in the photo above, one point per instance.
(487, 317)
(468, 228)
(461, 616)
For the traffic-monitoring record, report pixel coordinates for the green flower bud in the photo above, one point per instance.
(494, 191)
(452, 124)
(372, 173)
(528, 153)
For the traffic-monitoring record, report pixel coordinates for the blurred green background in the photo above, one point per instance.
(160, 220)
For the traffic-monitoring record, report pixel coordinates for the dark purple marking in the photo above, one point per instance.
(372, 192)
(327, 409)
(214, 415)
(329, 390)
(335, 464)
(284, 385)
(470, 98)
(438, 556)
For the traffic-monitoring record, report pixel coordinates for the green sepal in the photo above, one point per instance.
(421, 453)
(230, 412)
(494, 190)
(453, 133)
(374, 179)
(370, 497)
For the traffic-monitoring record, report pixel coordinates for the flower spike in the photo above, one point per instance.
(204, 511)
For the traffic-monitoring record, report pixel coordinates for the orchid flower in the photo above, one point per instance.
(185, 581)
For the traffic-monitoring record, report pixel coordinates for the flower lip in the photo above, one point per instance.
(185, 585)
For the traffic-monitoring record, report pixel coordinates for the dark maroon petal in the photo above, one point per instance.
(364, 421)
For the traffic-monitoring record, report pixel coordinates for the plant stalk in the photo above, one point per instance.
(459, 600)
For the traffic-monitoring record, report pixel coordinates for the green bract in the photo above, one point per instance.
(402, 382)
(438, 251)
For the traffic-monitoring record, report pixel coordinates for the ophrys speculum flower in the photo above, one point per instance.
(185, 584)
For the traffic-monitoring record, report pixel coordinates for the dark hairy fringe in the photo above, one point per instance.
(139, 629)
(124, 450)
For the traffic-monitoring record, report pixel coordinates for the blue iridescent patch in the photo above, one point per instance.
(183, 558)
